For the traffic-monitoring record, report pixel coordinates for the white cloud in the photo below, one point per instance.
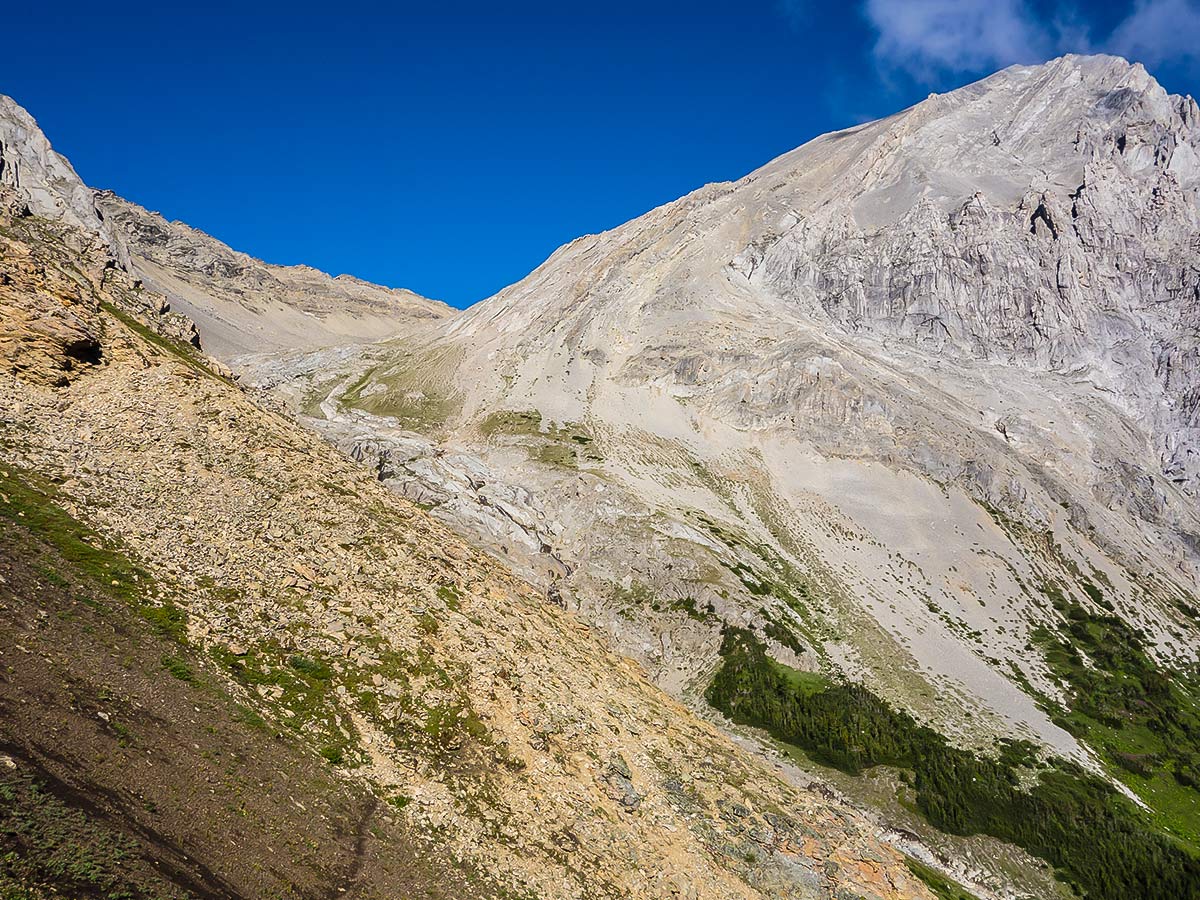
(928, 37)
(1158, 31)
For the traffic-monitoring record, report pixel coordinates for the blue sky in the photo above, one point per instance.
(450, 147)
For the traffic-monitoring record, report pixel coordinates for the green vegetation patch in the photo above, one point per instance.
(749, 579)
(1144, 721)
(50, 849)
(178, 668)
(183, 352)
(641, 596)
(413, 718)
(449, 595)
(31, 502)
(512, 422)
(943, 888)
(775, 626)
(300, 687)
(415, 388)
(688, 606)
(783, 583)
(1095, 838)
(554, 445)
(420, 711)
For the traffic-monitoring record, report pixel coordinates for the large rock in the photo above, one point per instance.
(45, 180)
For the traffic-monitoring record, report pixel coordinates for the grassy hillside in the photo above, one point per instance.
(127, 768)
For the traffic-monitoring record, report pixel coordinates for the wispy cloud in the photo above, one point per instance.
(930, 37)
(1159, 31)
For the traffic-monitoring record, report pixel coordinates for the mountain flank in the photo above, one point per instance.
(236, 665)
(244, 306)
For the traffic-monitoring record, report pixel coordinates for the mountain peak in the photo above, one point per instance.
(1025, 128)
(43, 177)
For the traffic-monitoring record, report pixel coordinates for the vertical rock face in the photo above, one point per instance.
(30, 166)
(1094, 270)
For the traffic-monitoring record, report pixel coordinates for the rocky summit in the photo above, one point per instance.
(828, 533)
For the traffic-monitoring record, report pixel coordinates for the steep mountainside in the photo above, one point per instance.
(951, 353)
(916, 403)
(235, 665)
(242, 305)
